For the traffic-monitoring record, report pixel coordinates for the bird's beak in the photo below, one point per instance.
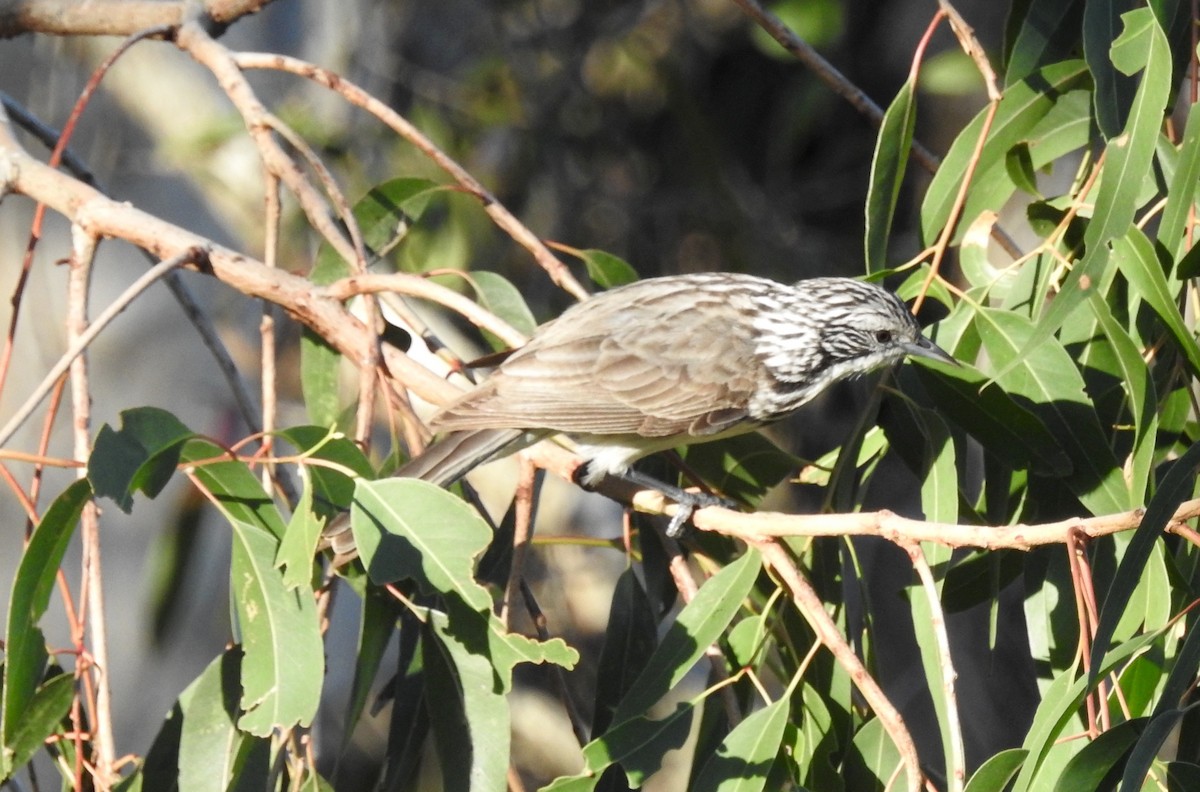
(925, 348)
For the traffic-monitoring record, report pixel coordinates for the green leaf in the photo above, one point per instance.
(47, 709)
(892, 147)
(333, 488)
(1128, 159)
(25, 654)
(994, 774)
(873, 760)
(411, 529)
(1135, 256)
(320, 363)
(744, 759)
(990, 414)
(503, 299)
(607, 270)
(1091, 765)
(1047, 376)
(467, 708)
(1185, 181)
(1140, 393)
(388, 210)
(638, 745)
(695, 629)
(1176, 486)
(1022, 107)
(375, 629)
(141, 456)
(470, 656)
(629, 640)
(1146, 750)
(319, 375)
(299, 543)
(283, 663)
(744, 467)
(1044, 37)
(213, 752)
(1059, 706)
(1183, 671)
(1114, 89)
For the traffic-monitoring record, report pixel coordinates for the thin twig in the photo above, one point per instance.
(266, 326)
(425, 289)
(813, 610)
(957, 771)
(523, 505)
(557, 271)
(94, 329)
(179, 290)
(839, 84)
(83, 255)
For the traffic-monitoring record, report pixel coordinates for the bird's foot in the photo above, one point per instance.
(687, 501)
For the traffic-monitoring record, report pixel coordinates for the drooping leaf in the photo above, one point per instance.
(1128, 158)
(745, 757)
(994, 774)
(25, 657)
(391, 520)
(283, 659)
(1174, 488)
(694, 630)
(41, 718)
(1114, 88)
(1022, 107)
(213, 753)
(1135, 256)
(1047, 377)
(1185, 181)
(607, 270)
(629, 641)
(887, 173)
(744, 467)
(990, 414)
(1047, 30)
(1091, 765)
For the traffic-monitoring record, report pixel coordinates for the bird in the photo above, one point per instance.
(671, 361)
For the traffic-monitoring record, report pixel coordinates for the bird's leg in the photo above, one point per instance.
(686, 500)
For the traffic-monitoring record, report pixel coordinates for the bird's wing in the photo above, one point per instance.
(657, 368)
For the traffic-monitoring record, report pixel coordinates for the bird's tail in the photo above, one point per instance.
(456, 454)
(443, 463)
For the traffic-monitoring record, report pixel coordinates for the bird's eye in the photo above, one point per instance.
(883, 336)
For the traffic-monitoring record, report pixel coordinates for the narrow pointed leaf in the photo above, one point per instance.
(1176, 486)
(887, 173)
(699, 624)
(1128, 158)
(1049, 379)
(744, 759)
(25, 656)
(1185, 182)
(1134, 254)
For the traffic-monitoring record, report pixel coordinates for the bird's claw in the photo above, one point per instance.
(687, 503)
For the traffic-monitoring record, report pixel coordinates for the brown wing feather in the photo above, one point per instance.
(649, 364)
